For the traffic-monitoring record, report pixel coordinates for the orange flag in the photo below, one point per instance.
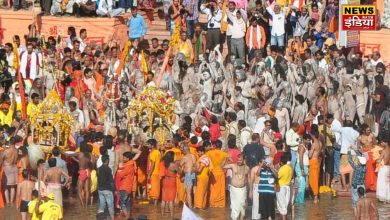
(20, 82)
(123, 57)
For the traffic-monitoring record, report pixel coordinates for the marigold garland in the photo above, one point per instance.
(155, 103)
(50, 115)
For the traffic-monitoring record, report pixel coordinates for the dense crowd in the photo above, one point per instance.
(284, 111)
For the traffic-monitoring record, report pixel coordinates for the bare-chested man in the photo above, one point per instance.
(85, 159)
(187, 164)
(367, 141)
(53, 179)
(124, 146)
(9, 159)
(238, 190)
(321, 102)
(25, 189)
(383, 181)
(23, 162)
(315, 154)
(366, 208)
(267, 139)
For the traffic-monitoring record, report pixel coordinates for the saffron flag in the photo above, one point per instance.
(144, 66)
(125, 53)
(20, 81)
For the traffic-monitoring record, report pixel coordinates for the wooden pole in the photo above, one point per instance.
(165, 63)
(22, 94)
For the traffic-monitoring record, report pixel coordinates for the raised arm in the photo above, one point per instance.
(137, 153)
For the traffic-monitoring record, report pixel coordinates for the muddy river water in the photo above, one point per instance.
(337, 208)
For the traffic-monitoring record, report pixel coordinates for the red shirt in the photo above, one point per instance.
(215, 132)
(278, 157)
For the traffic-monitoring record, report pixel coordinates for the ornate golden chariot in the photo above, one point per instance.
(50, 123)
(158, 106)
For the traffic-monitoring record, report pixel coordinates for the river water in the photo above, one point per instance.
(336, 208)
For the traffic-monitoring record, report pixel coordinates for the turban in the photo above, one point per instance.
(278, 135)
(271, 112)
(198, 131)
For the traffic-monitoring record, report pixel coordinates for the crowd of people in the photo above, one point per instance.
(283, 111)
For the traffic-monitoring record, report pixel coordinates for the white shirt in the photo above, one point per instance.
(240, 115)
(79, 116)
(348, 138)
(278, 22)
(259, 127)
(335, 129)
(10, 60)
(238, 25)
(82, 45)
(292, 139)
(322, 64)
(245, 137)
(111, 156)
(216, 19)
(238, 29)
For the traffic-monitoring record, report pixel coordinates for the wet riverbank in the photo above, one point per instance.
(328, 208)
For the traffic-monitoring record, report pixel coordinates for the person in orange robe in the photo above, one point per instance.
(168, 171)
(178, 154)
(135, 182)
(154, 170)
(1, 189)
(314, 175)
(142, 171)
(217, 178)
(202, 179)
(78, 85)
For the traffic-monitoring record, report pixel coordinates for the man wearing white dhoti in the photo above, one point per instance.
(238, 191)
(285, 174)
(253, 193)
(383, 181)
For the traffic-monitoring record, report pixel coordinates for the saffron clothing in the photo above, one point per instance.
(371, 178)
(126, 176)
(168, 186)
(202, 184)
(217, 178)
(314, 175)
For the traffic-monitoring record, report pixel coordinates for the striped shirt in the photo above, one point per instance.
(266, 183)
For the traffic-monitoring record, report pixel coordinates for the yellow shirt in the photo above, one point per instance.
(321, 128)
(6, 119)
(155, 156)
(285, 175)
(50, 210)
(217, 157)
(31, 209)
(31, 107)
